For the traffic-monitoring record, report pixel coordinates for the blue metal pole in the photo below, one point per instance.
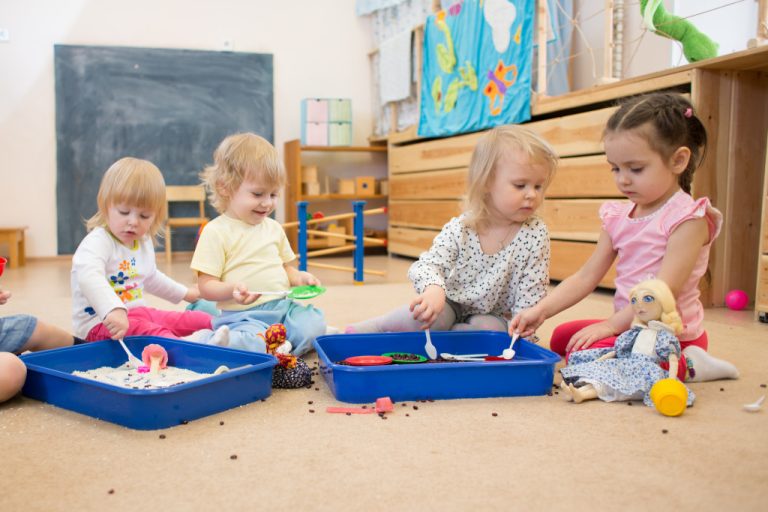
(359, 243)
(302, 206)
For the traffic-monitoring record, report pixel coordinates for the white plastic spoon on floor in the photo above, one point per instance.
(756, 406)
(132, 359)
(509, 353)
(429, 347)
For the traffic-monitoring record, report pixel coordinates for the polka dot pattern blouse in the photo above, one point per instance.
(504, 283)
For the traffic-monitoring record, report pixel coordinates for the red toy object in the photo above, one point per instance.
(368, 360)
(155, 357)
(3, 261)
(318, 215)
(736, 299)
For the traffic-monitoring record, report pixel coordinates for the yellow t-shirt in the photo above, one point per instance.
(238, 252)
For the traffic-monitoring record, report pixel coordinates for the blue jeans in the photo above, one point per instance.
(15, 332)
(302, 323)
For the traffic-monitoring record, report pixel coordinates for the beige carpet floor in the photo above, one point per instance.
(535, 453)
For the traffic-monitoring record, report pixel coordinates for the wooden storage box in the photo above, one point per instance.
(309, 174)
(334, 241)
(346, 187)
(365, 186)
(311, 188)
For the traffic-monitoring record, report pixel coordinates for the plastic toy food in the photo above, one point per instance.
(669, 396)
(155, 357)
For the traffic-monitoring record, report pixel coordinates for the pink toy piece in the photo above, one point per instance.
(154, 351)
(736, 299)
(143, 369)
(350, 410)
(383, 405)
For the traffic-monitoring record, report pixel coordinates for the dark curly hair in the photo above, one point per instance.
(671, 123)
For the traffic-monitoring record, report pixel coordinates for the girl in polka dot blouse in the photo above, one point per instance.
(493, 260)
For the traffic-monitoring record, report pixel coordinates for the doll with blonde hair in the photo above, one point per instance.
(493, 260)
(629, 370)
(114, 265)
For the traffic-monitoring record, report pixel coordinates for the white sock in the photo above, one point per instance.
(708, 367)
(220, 337)
(199, 336)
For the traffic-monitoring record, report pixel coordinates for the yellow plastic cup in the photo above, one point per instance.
(670, 397)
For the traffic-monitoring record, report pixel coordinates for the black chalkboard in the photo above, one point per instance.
(171, 107)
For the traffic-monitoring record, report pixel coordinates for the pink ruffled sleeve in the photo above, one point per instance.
(610, 212)
(696, 209)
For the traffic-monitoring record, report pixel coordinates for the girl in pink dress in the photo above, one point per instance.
(654, 143)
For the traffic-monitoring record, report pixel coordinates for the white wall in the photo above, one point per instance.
(320, 49)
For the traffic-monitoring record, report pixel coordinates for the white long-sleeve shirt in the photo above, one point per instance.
(108, 275)
(503, 283)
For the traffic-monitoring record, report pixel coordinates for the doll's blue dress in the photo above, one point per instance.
(634, 370)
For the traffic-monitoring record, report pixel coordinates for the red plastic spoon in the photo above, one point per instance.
(383, 405)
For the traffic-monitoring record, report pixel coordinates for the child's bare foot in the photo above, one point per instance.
(567, 391)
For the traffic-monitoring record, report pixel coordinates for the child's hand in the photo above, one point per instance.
(428, 306)
(4, 296)
(306, 279)
(586, 337)
(526, 322)
(116, 323)
(243, 296)
(193, 293)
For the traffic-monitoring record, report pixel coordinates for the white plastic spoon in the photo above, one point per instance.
(448, 355)
(754, 407)
(509, 353)
(468, 357)
(429, 347)
(132, 359)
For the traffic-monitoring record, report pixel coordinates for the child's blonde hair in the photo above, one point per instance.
(482, 166)
(134, 182)
(663, 294)
(241, 157)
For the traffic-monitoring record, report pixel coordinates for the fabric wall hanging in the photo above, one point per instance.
(477, 67)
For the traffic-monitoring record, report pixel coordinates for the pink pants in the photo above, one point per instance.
(564, 332)
(145, 321)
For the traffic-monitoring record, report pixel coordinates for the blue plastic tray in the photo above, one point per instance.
(50, 379)
(530, 373)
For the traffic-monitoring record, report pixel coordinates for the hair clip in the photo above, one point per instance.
(688, 112)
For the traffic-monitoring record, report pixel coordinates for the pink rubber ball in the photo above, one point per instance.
(736, 299)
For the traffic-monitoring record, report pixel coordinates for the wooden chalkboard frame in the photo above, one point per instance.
(171, 107)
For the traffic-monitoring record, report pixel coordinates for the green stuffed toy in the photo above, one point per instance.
(696, 45)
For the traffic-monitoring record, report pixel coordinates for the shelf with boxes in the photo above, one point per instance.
(326, 122)
(330, 177)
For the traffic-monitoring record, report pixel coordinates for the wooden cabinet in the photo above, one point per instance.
(428, 177)
(761, 291)
(334, 167)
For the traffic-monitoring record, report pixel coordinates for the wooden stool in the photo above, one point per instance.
(14, 237)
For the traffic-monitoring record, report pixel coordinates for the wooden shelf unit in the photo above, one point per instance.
(294, 155)
(428, 177)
